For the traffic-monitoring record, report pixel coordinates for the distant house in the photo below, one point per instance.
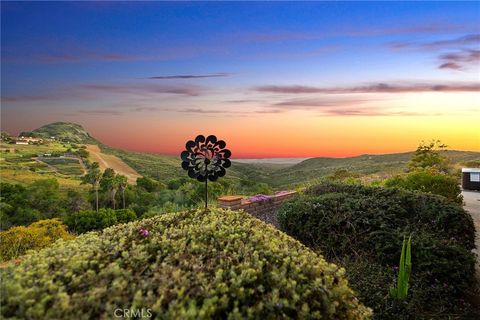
(27, 140)
(471, 178)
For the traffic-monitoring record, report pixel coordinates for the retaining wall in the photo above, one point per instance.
(265, 210)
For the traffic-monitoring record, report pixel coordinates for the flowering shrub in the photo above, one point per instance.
(217, 264)
(144, 232)
(259, 198)
(17, 240)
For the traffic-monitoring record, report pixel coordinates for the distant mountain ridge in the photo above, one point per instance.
(62, 131)
(278, 175)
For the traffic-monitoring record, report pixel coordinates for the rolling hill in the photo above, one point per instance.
(373, 166)
(164, 168)
(62, 131)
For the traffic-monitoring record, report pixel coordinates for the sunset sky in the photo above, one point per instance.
(272, 79)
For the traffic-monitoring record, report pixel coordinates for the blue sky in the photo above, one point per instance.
(93, 62)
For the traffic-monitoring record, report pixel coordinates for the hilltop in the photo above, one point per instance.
(62, 131)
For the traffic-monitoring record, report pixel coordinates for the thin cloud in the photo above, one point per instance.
(322, 102)
(199, 110)
(93, 90)
(101, 112)
(460, 60)
(190, 76)
(450, 65)
(372, 88)
(240, 101)
(187, 90)
(267, 111)
(466, 40)
(228, 112)
(22, 98)
(141, 109)
(466, 56)
(372, 112)
(284, 36)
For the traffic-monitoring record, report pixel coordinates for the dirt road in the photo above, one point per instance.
(111, 161)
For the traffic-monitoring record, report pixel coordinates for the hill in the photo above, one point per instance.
(62, 131)
(278, 176)
(373, 166)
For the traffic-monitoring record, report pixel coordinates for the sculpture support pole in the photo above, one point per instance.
(206, 194)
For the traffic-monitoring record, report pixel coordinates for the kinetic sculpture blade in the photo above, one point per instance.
(206, 159)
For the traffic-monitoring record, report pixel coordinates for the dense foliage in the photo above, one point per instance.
(429, 181)
(428, 156)
(17, 240)
(356, 224)
(89, 220)
(188, 265)
(42, 199)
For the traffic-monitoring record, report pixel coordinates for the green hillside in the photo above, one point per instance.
(165, 168)
(375, 166)
(63, 131)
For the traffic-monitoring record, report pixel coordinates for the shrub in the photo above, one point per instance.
(90, 220)
(125, 215)
(17, 240)
(369, 223)
(429, 181)
(189, 265)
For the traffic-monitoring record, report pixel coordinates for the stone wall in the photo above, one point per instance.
(265, 210)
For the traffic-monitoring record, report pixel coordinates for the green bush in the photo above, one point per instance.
(125, 215)
(90, 220)
(429, 181)
(369, 223)
(192, 265)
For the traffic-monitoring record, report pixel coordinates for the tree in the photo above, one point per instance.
(107, 175)
(45, 196)
(76, 201)
(148, 184)
(112, 185)
(4, 136)
(93, 177)
(428, 155)
(82, 153)
(122, 184)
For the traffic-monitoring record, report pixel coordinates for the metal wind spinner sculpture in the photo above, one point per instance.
(206, 159)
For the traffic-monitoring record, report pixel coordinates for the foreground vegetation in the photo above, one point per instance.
(189, 265)
(362, 228)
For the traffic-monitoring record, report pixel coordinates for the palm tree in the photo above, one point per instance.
(122, 184)
(113, 185)
(93, 177)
